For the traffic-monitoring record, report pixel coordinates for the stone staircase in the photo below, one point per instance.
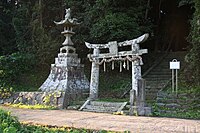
(169, 104)
(103, 107)
(159, 75)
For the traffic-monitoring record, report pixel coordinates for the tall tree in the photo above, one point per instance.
(193, 57)
(107, 20)
(7, 34)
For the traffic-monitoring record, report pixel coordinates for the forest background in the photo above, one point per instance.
(29, 40)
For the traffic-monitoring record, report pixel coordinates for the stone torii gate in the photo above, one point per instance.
(133, 56)
(113, 55)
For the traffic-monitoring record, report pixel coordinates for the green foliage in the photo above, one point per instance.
(31, 47)
(5, 92)
(115, 26)
(193, 57)
(107, 20)
(113, 84)
(185, 2)
(8, 123)
(179, 113)
(7, 35)
(47, 99)
(44, 47)
(12, 66)
(31, 37)
(32, 41)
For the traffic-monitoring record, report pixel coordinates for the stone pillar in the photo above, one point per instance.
(136, 75)
(132, 95)
(94, 81)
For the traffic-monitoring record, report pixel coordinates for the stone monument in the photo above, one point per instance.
(66, 73)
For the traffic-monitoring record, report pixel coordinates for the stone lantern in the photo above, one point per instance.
(68, 25)
(67, 73)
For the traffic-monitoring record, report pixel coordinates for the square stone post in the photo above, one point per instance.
(132, 96)
(136, 75)
(140, 98)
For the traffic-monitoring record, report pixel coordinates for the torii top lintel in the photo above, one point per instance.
(138, 40)
(113, 48)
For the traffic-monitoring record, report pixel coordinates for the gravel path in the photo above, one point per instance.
(102, 121)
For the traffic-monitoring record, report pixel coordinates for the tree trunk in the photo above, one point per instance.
(147, 9)
(40, 8)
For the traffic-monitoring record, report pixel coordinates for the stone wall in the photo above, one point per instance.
(57, 99)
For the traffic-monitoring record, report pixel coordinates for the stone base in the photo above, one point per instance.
(141, 111)
(67, 74)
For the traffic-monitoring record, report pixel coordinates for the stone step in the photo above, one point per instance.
(178, 57)
(152, 92)
(160, 73)
(175, 56)
(150, 97)
(163, 65)
(153, 86)
(163, 100)
(158, 76)
(169, 105)
(98, 111)
(157, 79)
(178, 101)
(101, 108)
(106, 104)
(164, 112)
(150, 102)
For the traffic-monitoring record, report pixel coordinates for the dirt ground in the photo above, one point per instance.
(103, 121)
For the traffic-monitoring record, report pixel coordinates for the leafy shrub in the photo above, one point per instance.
(5, 92)
(8, 123)
(11, 66)
(193, 56)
